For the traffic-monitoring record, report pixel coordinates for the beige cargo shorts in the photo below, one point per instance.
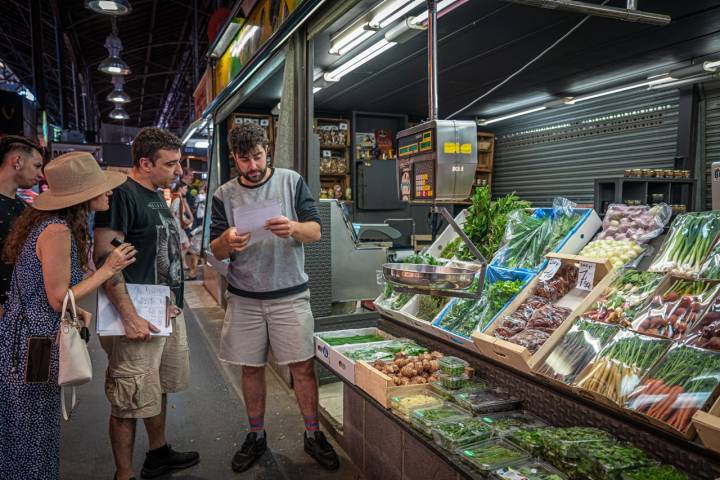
(253, 326)
(139, 373)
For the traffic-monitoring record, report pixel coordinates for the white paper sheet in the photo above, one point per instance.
(253, 220)
(151, 303)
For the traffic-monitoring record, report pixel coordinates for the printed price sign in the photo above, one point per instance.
(265, 122)
(343, 126)
(327, 154)
(552, 267)
(586, 276)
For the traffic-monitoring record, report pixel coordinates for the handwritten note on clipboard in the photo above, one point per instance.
(152, 302)
(253, 220)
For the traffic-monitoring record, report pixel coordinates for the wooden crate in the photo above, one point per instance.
(486, 151)
(378, 385)
(707, 425)
(579, 301)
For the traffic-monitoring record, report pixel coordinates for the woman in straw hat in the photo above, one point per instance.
(49, 247)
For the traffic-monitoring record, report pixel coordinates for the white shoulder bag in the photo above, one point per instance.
(75, 366)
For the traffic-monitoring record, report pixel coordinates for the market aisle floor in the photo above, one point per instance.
(209, 417)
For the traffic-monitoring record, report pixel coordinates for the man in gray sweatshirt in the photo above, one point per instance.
(268, 297)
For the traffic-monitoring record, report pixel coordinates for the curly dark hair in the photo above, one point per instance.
(151, 139)
(76, 218)
(244, 138)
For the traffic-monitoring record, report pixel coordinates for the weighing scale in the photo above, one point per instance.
(436, 165)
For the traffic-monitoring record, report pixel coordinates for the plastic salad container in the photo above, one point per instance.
(425, 418)
(531, 440)
(563, 446)
(453, 383)
(402, 403)
(486, 401)
(459, 432)
(532, 470)
(658, 472)
(607, 461)
(453, 366)
(488, 456)
(449, 394)
(505, 423)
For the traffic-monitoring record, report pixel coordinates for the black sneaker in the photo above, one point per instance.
(167, 459)
(320, 449)
(252, 449)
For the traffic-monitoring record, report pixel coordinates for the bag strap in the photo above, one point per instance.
(70, 298)
(66, 415)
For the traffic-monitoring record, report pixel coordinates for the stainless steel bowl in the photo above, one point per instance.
(429, 277)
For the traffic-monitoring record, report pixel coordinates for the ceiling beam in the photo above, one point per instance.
(148, 51)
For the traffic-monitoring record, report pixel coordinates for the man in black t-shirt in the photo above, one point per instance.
(142, 368)
(21, 164)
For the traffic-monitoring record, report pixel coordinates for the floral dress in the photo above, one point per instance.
(30, 413)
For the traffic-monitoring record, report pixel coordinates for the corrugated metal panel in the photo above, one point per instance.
(560, 152)
(712, 134)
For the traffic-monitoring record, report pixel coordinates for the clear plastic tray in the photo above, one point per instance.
(448, 394)
(563, 446)
(532, 470)
(453, 366)
(456, 433)
(488, 456)
(403, 403)
(665, 472)
(486, 401)
(424, 418)
(505, 423)
(453, 383)
(530, 440)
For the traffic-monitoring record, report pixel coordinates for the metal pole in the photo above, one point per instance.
(196, 55)
(37, 52)
(60, 64)
(432, 60)
(73, 73)
(632, 4)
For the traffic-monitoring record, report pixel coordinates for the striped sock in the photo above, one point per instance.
(312, 424)
(257, 424)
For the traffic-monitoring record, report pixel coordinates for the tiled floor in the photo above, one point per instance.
(331, 400)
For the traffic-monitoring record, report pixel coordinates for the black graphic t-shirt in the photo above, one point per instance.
(10, 209)
(145, 219)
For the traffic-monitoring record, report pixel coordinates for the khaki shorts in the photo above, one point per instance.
(285, 325)
(139, 373)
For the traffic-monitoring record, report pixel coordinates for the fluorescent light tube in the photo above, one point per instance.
(227, 36)
(513, 115)
(386, 17)
(711, 66)
(202, 144)
(353, 43)
(316, 89)
(345, 38)
(358, 60)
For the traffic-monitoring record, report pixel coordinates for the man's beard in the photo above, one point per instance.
(260, 174)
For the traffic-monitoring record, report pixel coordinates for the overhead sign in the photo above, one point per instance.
(264, 20)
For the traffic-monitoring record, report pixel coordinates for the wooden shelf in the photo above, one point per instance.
(334, 147)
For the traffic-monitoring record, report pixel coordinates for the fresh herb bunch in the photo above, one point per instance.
(491, 455)
(604, 460)
(531, 440)
(485, 223)
(429, 306)
(660, 472)
(353, 339)
(462, 430)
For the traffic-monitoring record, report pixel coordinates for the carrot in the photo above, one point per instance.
(658, 388)
(666, 405)
(660, 404)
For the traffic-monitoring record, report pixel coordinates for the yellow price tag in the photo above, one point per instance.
(450, 147)
(466, 148)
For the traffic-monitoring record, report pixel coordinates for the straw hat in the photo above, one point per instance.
(74, 178)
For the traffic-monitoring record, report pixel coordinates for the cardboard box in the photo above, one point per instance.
(577, 300)
(410, 311)
(334, 357)
(707, 425)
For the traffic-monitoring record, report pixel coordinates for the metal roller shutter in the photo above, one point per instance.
(712, 135)
(560, 152)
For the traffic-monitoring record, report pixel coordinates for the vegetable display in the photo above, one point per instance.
(429, 306)
(532, 323)
(681, 384)
(710, 269)
(529, 236)
(618, 252)
(605, 461)
(688, 243)
(620, 365)
(530, 440)
(467, 315)
(639, 223)
(532, 470)
(453, 366)
(621, 301)
(455, 433)
(658, 472)
(382, 350)
(449, 394)
(353, 339)
(452, 382)
(707, 330)
(425, 418)
(580, 344)
(676, 310)
(507, 422)
(561, 446)
(485, 224)
(410, 370)
(491, 455)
